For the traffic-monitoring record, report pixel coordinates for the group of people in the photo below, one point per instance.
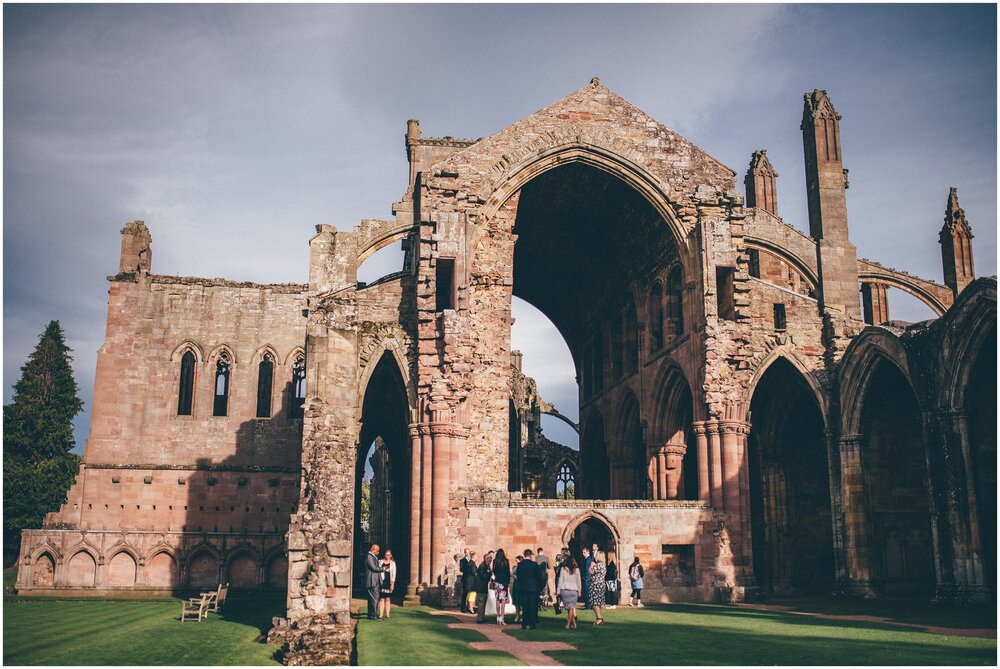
(380, 581)
(495, 587)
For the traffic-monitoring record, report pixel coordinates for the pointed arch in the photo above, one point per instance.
(242, 567)
(967, 327)
(42, 570)
(261, 351)
(788, 354)
(395, 350)
(187, 345)
(862, 358)
(590, 514)
(81, 568)
(162, 567)
(201, 566)
(44, 547)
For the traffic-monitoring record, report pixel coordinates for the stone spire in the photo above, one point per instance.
(956, 246)
(760, 183)
(826, 184)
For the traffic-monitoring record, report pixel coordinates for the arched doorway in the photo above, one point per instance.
(896, 480)
(981, 407)
(582, 237)
(593, 529)
(382, 474)
(790, 514)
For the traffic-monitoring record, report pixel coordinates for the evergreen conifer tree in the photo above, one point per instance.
(38, 437)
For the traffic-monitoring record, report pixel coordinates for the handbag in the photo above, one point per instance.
(491, 603)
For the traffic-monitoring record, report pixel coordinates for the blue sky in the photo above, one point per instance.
(233, 130)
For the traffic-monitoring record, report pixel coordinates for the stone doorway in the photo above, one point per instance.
(791, 524)
(896, 478)
(589, 531)
(382, 474)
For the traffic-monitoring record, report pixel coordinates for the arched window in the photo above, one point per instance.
(265, 376)
(675, 301)
(223, 367)
(565, 483)
(185, 392)
(656, 317)
(298, 397)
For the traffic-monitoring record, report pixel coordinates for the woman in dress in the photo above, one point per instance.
(611, 578)
(469, 582)
(569, 586)
(388, 584)
(501, 581)
(598, 587)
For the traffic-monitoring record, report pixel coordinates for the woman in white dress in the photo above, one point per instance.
(388, 585)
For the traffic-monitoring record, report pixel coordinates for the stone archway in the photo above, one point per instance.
(790, 510)
(897, 483)
(382, 492)
(591, 528)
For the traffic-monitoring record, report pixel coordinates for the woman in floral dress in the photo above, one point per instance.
(597, 587)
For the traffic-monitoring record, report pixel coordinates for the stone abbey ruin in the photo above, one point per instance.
(751, 421)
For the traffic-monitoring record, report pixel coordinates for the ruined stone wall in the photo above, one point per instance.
(659, 533)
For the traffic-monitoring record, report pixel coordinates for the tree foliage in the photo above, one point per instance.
(38, 467)
(38, 424)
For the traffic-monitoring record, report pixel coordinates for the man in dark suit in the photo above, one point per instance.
(373, 580)
(461, 587)
(530, 582)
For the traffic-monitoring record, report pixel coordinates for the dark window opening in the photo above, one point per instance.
(779, 316)
(755, 263)
(675, 302)
(298, 397)
(222, 371)
(265, 375)
(724, 292)
(656, 317)
(565, 483)
(185, 393)
(445, 280)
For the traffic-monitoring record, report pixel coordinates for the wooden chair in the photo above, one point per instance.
(217, 598)
(195, 608)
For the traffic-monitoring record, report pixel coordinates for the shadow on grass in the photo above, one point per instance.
(253, 610)
(415, 637)
(693, 635)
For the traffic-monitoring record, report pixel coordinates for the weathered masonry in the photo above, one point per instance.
(751, 420)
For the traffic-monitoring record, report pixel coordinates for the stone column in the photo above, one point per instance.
(672, 466)
(731, 457)
(415, 462)
(857, 518)
(441, 468)
(961, 508)
(715, 464)
(701, 443)
(426, 454)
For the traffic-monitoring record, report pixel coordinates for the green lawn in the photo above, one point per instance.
(684, 634)
(413, 636)
(133, 632)
(105, 632)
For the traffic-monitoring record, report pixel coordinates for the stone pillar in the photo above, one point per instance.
(654, 469)
(440, 479)
(874, 302)
(415, 463)
(701, 443)
(715, 464)
(857, 518)
(426, 468)
(961, 509)
(672, 460)
(731, 457)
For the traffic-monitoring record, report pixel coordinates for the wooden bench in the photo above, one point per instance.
(195, 608)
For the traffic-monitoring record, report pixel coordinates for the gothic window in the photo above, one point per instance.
(725, 293)
(186, 391)
(656, 317)
(675, 302)
(298, 387)
(223, 369)
(779, 316)
(754, 263)
(265, 376)
(445, 284)
(565, 483)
